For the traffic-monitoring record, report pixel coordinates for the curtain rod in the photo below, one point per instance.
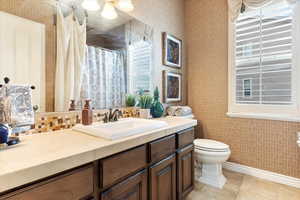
(64, 4)
(72, 7)
(105, 49)
(56, 2)
(59, 2)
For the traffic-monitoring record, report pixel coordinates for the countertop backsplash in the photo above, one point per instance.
(54, 121)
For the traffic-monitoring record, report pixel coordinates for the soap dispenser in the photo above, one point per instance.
(87, 114)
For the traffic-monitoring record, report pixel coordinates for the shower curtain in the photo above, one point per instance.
(104, 77)
(71, 41)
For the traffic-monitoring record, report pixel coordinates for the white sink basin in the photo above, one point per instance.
(121, 129)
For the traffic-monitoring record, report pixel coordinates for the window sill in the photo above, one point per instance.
(277, 117)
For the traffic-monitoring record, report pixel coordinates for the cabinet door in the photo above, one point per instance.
(163, 179)
(133, 188)
(185, 171)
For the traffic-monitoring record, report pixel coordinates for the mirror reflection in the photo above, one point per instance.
(97, 57)
(116, 60)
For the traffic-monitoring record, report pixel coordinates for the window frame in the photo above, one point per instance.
(259, 111)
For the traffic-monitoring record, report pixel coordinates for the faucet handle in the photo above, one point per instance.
(120, 113)
(110, 113)
(105, 119)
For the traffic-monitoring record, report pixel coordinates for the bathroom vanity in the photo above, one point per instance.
(153, 165)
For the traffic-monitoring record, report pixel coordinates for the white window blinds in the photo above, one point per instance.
(263, 62)
(140, 59)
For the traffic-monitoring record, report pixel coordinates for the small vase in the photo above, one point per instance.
(145, 113)
(157, 109)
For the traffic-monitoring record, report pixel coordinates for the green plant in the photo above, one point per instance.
(145, 101)
(140, 92)
(130, 100)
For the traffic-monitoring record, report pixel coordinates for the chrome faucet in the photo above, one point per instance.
(112, 116)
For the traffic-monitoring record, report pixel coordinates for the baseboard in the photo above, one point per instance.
(267, 175)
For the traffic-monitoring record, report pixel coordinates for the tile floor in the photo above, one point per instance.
(244, 187)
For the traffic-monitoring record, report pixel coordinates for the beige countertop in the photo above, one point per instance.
(42, 155)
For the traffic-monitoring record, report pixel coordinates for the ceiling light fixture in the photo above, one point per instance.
(125, 5)
(91, 5)
(109, 11)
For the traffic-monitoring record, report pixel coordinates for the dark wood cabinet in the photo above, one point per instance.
(185, 137)
(163, 179)
(162, 169)
(133, 188)
(185, 171)
(162, 148)
(121, 165)
(75, 185)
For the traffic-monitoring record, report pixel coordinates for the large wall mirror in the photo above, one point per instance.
(102, 61)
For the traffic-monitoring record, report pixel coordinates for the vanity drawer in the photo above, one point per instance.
(162, 148)
(134, 188)
(121, 165)
(185, 138)
(74, 185)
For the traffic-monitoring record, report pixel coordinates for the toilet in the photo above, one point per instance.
(210, 154)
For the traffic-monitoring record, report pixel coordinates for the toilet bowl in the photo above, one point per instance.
(210, 154)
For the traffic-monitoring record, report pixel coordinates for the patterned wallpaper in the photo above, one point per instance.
(263, 144)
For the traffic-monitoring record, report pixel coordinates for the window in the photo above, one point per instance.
(262, 64)
(140, 61)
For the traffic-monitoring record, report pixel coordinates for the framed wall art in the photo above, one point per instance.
(172, 87)
(172, 50)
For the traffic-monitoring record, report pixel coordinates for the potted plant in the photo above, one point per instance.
(145, 103)
(130, 100)
(157, 109)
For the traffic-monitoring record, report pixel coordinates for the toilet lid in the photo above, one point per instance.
(210, 145)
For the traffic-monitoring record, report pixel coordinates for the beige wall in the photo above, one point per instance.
(162, 15)
(264, 144)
